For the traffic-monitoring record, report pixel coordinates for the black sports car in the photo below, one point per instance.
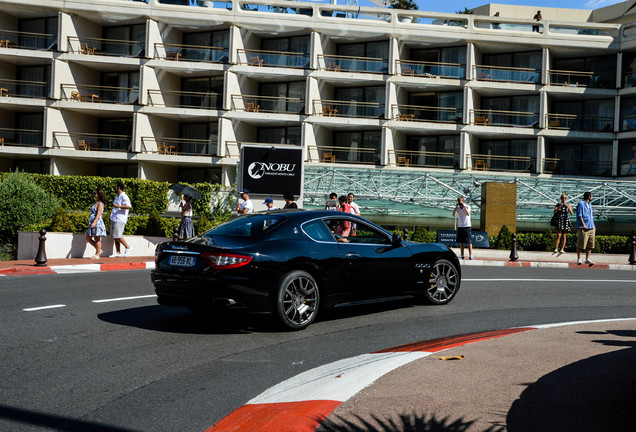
(294, 263)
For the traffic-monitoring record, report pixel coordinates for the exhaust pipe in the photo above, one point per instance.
(224, 302)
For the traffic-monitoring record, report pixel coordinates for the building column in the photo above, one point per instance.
(540, 154)
(615, 158)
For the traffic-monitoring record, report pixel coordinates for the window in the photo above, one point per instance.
(358, 147)
(213, 39)
(437, 151)
(253, 225)
(280, 135)
(198, 175)
(374, 98)
(318, 231)
(38, 81)
(42, 33)
(204, 92)
(117, 133)
(203, 136)
(594, 115)
(628, 114)
(374, 55)
(440, 107)
(520, 111)
(627, 158)
(124, 87)
(299, 45)
(118, 170)
(589, 159)
(29, 128)
(516, 155)
(288, 97)
(119, 40)
(602, 68)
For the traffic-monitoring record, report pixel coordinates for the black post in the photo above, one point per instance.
(175, 234)
(40, 258)
(513, 249)
(632, 249)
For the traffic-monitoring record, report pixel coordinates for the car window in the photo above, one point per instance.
(318, 231)
(369, 235)
(246, 226)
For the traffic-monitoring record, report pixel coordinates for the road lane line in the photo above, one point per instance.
(124, 298)
(33, 309)
(551, 280)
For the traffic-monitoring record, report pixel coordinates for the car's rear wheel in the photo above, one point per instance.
(297, 300)
(443, 282)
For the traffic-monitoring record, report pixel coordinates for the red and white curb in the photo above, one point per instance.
(546, 264)
(77, 268)
(301, 403)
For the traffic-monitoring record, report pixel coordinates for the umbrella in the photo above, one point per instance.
(185, 190)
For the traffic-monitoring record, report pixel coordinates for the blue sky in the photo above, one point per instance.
(452, 6)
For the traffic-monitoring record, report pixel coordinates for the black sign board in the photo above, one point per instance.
(478, 238)
(272, 170)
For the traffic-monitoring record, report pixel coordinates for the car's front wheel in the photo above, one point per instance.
(298, 299)
(443, 282)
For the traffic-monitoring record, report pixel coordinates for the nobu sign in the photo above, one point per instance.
(271, 170)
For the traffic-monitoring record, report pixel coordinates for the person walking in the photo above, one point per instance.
(96, 228)
(186, 228)
(562, 210)
(246, 206)
(586, 231)
(537, 17)
(270, 204)
(462, 210)
(289, 201)
(118, 219)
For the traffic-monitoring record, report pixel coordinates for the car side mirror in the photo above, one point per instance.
(396, 240)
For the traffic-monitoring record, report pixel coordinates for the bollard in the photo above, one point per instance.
(175, 234)
(405, 234)
(40, 258)
(632, 249)
(513, 248)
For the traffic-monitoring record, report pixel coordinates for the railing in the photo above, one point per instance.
(334, 108)
(25, 89)
(628, 123)
(505, 118)
(233, 148)
(91, 141)
(341, 154)
(487, 162)
(427, 114)
(21, 137)
(577, 167)
(268, 104)
(109, 47)
(411, 158)
(195, 53)
(629, 79)
(273, 58)
(26, 40)
(336, 63)
(201, 3)
(578, 30)
(100, 94)
(581, 79)
(179, 146)
(431, 69)
(183, 99)
(580, 123)
(507, 74)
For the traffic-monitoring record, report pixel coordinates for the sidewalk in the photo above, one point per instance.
(75, 265)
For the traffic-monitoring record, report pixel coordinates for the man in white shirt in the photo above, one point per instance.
(246, 206)
(118, 219)
(463, 227)
(270, 204)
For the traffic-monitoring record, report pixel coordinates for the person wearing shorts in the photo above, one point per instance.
(586, 232)
(118, 219)
(462, 210)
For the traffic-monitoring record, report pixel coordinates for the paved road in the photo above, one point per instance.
(104, 356)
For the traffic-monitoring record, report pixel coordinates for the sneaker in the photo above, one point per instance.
(471, 258)
(461, 257)
(562, 251)
(118, 255)
(579, 262)
(556, 251)
(127, 251)
(590, 262)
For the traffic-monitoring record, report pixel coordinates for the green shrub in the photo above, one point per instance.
(504, 239)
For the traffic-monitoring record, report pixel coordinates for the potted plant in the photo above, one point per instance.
(406, 5)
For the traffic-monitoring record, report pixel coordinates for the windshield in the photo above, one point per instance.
(246, 226)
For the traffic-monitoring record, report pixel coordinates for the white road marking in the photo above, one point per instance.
(551, 280)
(33, 309)
(124, 298)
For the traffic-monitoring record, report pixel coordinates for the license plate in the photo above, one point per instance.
(182, 261)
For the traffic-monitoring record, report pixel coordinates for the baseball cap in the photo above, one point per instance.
(268, 200)
(244, 191)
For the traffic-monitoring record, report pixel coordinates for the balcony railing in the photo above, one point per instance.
(179, 146)
(487, 162)
(426, 114)
(581, 79)
(183, 99)
(334, 108)
(21, 137)
(518, 119)
(109, 47)
(194, 53)
(507, 74)
(347, 155)
(628, 123)
(268, 104)
(91, 141)
(273, 58)
(233, 148)
(100, 94)
(336, 63)
(629, 80)
(577, 167)
(431, 69)
(580, 123)
(25, 89)
(26, 40)
(411, 158)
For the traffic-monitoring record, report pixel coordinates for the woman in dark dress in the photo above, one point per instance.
(563, 211)
(289, 201)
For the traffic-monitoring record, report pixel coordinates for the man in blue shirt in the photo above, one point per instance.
(586, 229)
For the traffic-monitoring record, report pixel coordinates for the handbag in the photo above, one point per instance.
(554, 219)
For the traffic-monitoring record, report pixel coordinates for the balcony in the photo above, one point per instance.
(352, 64)
(344, 155)
(485, 162)
(178, 146)
(424, 159)
(629, 80)
(100, 94)
(628, 123)
(194, 53)
(507, 74)
(268, 104)
(334, 108)
(283, 59)
(577, 167)
(91, 141)
(26, 40)
(517, 119)
(24, 89)
(20, 137)
(580, 123)
(581, 79)
(431, 69)
(426, 114)
(107, 47)
(181, 99)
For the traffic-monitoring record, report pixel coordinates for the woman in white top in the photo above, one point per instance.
(186, 228)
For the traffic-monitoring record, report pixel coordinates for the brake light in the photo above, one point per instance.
(223, 261)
